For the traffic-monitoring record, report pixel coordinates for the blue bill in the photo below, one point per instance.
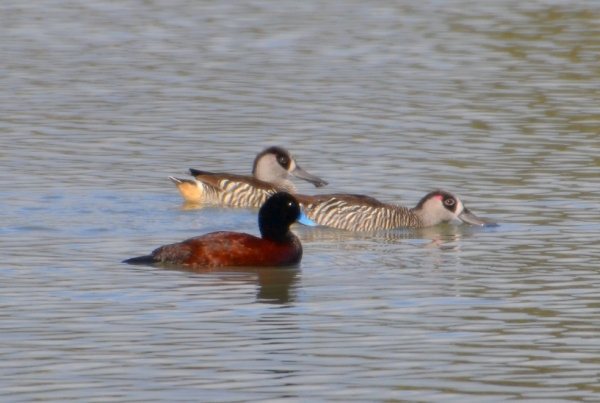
(304, 220)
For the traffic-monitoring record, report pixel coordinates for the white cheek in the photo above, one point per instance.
(459, 208)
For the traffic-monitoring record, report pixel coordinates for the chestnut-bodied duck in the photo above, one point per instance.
(270, 173)
(364, 213)
(277, 246)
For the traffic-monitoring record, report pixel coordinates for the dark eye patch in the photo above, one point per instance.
(283, 161)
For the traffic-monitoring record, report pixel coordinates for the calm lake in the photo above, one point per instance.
(497, 101)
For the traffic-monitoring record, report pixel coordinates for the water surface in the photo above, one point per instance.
(102, 100)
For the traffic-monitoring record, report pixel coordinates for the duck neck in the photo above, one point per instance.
(282, 183)
(423, 219)
(287, 186)
(275, 233)
(409, 218)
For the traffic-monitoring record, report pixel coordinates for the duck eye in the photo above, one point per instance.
(283, 160)
(449, 202)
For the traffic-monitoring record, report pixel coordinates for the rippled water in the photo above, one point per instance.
(102, 100)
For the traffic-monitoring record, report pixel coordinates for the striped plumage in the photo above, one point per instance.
(271, 170)
(364, 213)
(234, 190)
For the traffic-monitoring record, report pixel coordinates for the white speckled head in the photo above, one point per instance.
(442, 206)
(276, 164)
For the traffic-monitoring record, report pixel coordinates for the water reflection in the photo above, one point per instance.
(276, 285)
(495, 100)
(187, 205)
(435, 236)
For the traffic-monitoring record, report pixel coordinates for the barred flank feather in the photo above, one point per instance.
(210, 193)
(241, 194)
(340, 214)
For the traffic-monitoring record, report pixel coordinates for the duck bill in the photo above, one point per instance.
(467, 217)
(302, 174)
(304, 220)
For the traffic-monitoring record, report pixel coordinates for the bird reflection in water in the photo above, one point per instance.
(276, 285)
(443, 236)
(187, 205)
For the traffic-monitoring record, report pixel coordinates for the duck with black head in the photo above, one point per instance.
(277, 246)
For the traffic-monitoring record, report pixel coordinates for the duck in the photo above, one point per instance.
(270, 172)
(277, 246)
(364, 213)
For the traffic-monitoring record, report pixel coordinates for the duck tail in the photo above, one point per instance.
(148, 259)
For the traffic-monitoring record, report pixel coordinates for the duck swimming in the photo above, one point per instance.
(271, 170)
(364, 213)
(277, 246)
